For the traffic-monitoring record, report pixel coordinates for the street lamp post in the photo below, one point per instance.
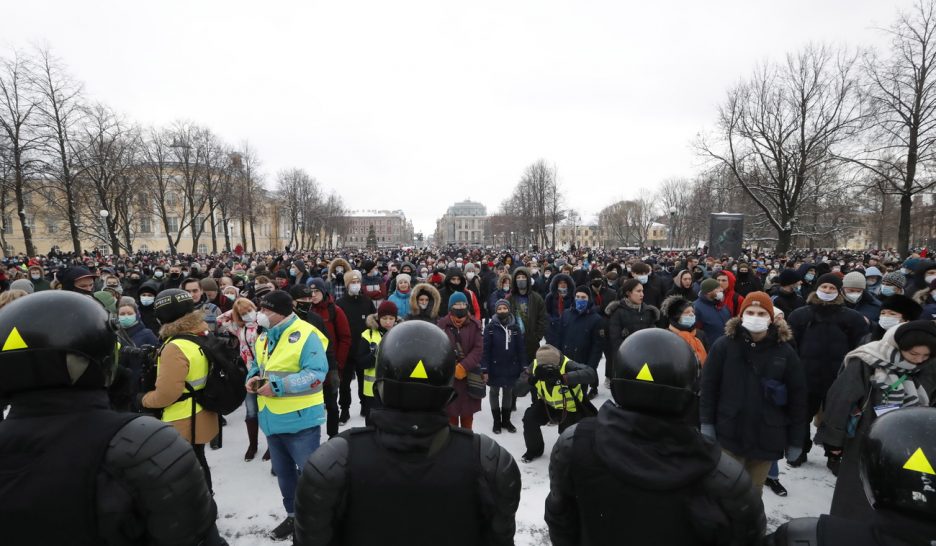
(510, 242)
(672, 224)
(531, 237)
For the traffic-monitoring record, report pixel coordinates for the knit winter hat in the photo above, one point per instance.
(457, 297)
(831, 278)
(760, 299)
(873, 272)
(500, 302)
(674, 306)
(387, 308)
(403, 277)
(278, 301)
(907, 308)
(854, 280)
(208, 284)
(548, 355)
(895, 278)
(25, 285)
(708, 285)
(352, 276)
(916, 333)
(788, 277)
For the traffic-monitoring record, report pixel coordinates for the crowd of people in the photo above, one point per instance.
(717, 366)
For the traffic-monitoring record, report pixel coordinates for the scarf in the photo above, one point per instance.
(632, 305)
(694, 343)
(458, 322)
(890, 372)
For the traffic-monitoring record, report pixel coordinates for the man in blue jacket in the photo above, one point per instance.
(288, 376)
(580, 333)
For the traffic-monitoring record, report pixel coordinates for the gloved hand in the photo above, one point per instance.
(793, 453)
(460, 371)
(136, 405)
(708, 430)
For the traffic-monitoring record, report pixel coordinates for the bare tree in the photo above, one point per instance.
(18, 123)
(778, 130)
(188, 149)
(158, 168)
(675, 197)
(250, 183)
(901, 145)
(59, 112)
(628, 222)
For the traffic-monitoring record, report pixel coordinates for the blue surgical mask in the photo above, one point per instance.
(642, 279)
(887, 290)
(810, 276)
(127, 321)
(687, 321)
(581, 305)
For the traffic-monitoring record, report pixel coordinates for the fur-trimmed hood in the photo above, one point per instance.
(434, 296)
(513, 279)
(192, 323)
(554, 283)
(502, 278)
(920, 296)
(670, 301)
(338, 262)
(813, 299)
(782, 329)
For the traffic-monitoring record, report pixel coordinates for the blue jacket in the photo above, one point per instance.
(402, 302)
(580, 336)
(552, 306)
(504, 354)
(313, 366)
(712, 318)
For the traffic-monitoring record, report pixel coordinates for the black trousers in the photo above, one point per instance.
(199, 450)
(344, 392)
(534, 418)
(330, 393)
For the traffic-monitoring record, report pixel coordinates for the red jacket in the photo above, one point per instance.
(338, 330)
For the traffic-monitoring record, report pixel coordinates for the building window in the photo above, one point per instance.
(146, 225)
(51, 228)
(144, 248)
(171, 200)
(203, 248)
(7, 224)
(143, 200)
(173, 223)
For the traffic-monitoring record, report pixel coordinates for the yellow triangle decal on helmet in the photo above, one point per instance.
(419, 372)
(14, 341)
(645, 374)
(919, 463)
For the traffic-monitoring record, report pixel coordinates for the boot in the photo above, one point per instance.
(252, 438)
(505, 421)
(266, 455)
(284, 530)
(344, 417)
(216, 441)
(776, 487)
(497, 421)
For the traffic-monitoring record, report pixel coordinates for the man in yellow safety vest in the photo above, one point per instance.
(288, 376)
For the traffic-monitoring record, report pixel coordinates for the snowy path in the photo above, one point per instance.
(249, 502)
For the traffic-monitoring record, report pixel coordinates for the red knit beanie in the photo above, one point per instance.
(760, 299)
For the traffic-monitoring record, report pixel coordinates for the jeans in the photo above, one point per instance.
(774, 472)
(250, 402)
(289, 453)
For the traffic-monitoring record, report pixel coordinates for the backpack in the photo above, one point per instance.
(224, 389)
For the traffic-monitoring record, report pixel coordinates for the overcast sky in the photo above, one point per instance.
(416, 105)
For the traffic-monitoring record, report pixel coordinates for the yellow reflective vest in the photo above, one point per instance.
(284, 361)
(372, 337)
(559, 396)
(197, 377)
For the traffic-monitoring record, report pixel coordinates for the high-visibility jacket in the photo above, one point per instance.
(559, 397)
(372, 337)
(197, 377)
(284, 361)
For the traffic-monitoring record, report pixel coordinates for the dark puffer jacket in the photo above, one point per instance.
(553, 303)
(581, 335)
(625, 320)
(754, 393)
(504, 353)
(824, 333)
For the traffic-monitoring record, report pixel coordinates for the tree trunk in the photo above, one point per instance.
(243, 231)
(903, 229)
(784, 240)
(214, 234)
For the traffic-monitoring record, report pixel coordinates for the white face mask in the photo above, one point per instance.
(853, 297)
(263, 321)
(889, 322)
(36, 276)
(249, 317)
(470, 275)
(642, 279)
(354, 288)
(825, 296)
(424, 306)
(146, 301)
(755, 325)
(719, 296)
(929, 279)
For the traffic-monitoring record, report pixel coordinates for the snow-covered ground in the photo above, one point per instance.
(249, 502)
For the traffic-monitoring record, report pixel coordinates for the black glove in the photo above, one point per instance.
(136, 405)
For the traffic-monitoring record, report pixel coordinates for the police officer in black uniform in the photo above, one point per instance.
(641, 473)
(410, 478)
(899, 480)
(72, 471)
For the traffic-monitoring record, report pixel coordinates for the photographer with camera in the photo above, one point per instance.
(558, 382)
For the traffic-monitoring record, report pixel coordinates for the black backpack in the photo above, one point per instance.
(224, 389)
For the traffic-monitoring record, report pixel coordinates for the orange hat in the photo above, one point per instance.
(760, 299)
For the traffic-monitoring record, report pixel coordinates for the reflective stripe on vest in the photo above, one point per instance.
(370, 374)
(560, 396)
(197, 377)
(284, 361)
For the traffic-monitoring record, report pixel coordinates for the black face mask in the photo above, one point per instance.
(460, 313)
(503, 316)
(174, 276)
